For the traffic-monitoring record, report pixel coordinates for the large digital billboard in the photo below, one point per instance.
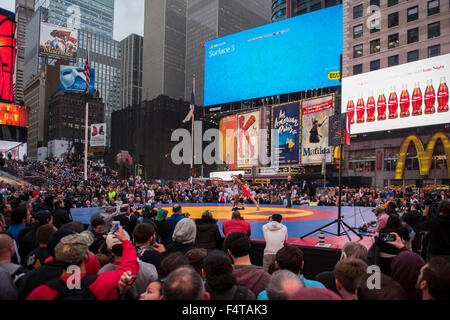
(58, 42)
(286, 134)
(13, 115)
(315, 142)
(248, 139)
(405, 96)
(7, 54)
(73, 79)
(98, 135)
(286, 56)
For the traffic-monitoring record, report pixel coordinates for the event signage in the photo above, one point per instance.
(73, 79)
(410, 95)
(305, 54)
(7, 54)
(58, 42)
(315, 114)
(248, 139)
(98, 135)
(13, 115)
(227, 141)
(286, 134)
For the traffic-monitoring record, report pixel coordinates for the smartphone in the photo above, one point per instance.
(386, 237)
(115, 226)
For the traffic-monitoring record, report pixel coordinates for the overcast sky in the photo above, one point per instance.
(128, 16)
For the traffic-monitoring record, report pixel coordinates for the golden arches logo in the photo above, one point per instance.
(425, 155)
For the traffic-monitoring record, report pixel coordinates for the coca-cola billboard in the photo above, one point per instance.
(404, 96)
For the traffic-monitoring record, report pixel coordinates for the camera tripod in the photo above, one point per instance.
(339, 221)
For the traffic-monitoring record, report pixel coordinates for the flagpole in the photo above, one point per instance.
(86, 122)
(192, 133)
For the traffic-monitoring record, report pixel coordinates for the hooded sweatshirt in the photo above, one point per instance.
(405, 269)
(183, 236)
(275, 235)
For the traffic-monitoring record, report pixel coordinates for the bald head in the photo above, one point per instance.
(6, 247)
(283, 285)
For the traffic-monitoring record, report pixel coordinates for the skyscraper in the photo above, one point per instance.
(211, 19)
(164, 48)
(90, 15)
(132, 63)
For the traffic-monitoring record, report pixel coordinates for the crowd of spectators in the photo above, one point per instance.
(153, 255)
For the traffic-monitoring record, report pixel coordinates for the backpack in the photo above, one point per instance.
(241, 293)
(64, 293)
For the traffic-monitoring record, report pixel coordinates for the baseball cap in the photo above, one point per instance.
(72, 248)
(111, 240)
(55, 238)
(161, 215)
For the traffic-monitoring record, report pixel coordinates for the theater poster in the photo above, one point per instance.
(286, 134)
(315, 144)
(247, 139)
(227, 141)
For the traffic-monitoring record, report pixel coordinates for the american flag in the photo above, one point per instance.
(86, 72)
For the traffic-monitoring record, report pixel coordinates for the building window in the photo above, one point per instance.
(413, 35)
(358, 11)
(374, 25)
(375, 3)
(357, 31)
(393, 41)
(434, 30)
(357, 69)
(390, 158)
(374, 65)
(392, 3)
(413, 55)
(375, 46)
(434, 51)
(362, 160)
(393, 20)
(413, 13)
(433, 7)
(393, 60)
(358, 51)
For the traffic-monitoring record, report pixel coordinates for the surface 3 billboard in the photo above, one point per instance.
(287, 56)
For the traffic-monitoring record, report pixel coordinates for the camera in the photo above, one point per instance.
(386, 237)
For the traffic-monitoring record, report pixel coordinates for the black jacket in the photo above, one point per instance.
(39, 276)
(208, 234)
(439, 228)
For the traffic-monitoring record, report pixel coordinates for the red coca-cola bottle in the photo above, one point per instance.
(404, 102)
(371, 108)
(381, 107)
(416, 100)
(430, 98)
(360, 109)
(443, 96)
(393, 104)
(351, 111)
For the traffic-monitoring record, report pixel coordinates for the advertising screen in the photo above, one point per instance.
(286, 56)
(98, 135)
(9, 5)
(73, 79)
(58, 42)
(247, 139)
(227, 144)
(405, 96)
(13, 115)
(16, 150)
(286, 134)
(7, 54)
(315, 144)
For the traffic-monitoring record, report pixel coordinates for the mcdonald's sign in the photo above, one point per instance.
(425, 155)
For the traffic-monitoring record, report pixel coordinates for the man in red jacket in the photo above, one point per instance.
(237, 223)
(71, 251)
